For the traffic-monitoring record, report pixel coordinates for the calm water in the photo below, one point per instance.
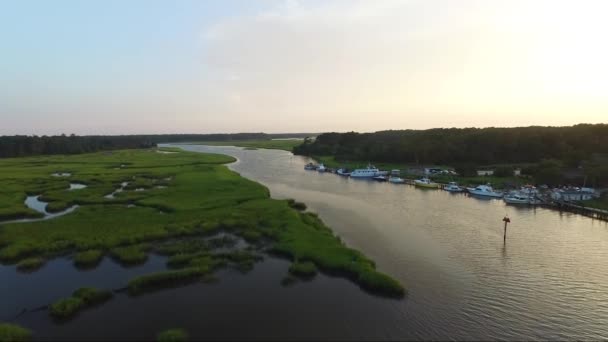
(548, 282)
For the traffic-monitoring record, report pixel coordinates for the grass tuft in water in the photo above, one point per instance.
(81, 299)
(13, 333)
(304, 269)
(30, 264)
(173, 335)
(90, 258)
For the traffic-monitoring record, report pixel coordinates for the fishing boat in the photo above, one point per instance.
(453, 187)
(396, 180)
(369, 172)
(343, 172)
(485, 190)
(426, 183)
(310, 166)
(321, 168)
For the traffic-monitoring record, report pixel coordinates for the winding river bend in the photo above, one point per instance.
(549, 281)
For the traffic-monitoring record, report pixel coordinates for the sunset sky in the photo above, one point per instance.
(141, 66)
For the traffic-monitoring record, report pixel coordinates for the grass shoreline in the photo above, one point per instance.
(199, 197)
(285, 145)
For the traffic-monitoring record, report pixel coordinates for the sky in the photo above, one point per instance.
(149, 66)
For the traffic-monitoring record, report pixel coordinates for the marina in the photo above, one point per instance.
(562, 199)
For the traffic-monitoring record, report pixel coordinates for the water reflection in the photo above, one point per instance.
(548, 282)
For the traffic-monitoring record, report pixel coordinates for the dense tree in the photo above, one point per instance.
(482, 146)
(21, 145)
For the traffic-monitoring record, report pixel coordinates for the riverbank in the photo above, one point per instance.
(278, 144)
(172, 203)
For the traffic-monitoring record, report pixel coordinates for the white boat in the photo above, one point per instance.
(453, 187)
(380, 178)
(485, 190)
(343, 172)
(426, 183)
(369, 172)
(516, 197)
(396, 180)
(321, 168)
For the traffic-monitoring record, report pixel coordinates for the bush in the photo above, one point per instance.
(172, 335)
(12, 332)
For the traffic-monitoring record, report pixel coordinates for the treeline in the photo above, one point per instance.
(22, 145)
(453, 145)
(579, 146)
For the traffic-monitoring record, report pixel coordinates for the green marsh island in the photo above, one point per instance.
(188, 207)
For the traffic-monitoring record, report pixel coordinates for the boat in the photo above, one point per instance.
(485, 190)
(369, 172)
(321, 168)
(426, 183)
(453, 187)
(396, 180)
(516, 197)
(310, 166)
(380, 178)
(343, 172)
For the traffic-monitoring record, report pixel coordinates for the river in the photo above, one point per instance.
(548, 281)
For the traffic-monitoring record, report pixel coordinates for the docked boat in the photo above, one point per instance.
(396, 180)
(343, 172)
(516, 197)
(369, 172)
(321, 168)
(310, 166)
(426, 183)
(380, 178)
(453, 187)
(485, 190)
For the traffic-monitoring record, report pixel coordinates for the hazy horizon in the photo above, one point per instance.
(274, 66)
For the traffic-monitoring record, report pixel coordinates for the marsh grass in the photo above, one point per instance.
(173, 335)
(13, 333)
(203, 198)
(88, 259)
(131, 255)
(81, 299)
(296, 205)
(159, 280)
(304, 269)
(30, 264)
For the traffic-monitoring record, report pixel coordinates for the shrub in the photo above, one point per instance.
(172, 335)
(12, 332)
